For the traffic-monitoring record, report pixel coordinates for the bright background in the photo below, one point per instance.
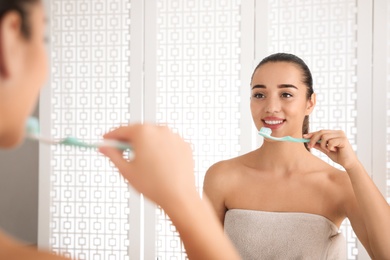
(187, 64)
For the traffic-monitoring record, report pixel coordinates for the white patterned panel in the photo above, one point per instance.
(323, 34)
(90, 93)
(388, 103)
(198, 88)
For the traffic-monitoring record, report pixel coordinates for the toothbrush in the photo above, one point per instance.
(266, 132)
(33, 133)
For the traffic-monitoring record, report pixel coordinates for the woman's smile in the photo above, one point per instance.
(273, 122)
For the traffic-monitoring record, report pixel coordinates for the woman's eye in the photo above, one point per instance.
(258, 95)
(286, 95)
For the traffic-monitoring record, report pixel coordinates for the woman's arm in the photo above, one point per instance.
(10, 249)
(373, 209)
(213, 188)
(200, 229)
(162, 169)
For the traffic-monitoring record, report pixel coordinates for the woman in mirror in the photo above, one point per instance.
(282, 202)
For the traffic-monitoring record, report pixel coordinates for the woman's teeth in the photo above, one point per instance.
(273, 122)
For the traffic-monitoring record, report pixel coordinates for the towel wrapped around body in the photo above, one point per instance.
(283, 235)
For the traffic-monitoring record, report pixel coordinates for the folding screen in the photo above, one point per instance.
(186, 64)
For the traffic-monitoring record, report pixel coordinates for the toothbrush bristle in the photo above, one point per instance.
(32, 126)
(266, 130)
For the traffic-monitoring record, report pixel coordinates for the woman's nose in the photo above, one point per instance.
(273, 106)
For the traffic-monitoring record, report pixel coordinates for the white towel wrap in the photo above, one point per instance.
(284, 235)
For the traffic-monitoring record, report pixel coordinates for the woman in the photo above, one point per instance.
(159, 176)
(280, 201)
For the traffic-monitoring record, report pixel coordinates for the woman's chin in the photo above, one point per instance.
(11, 140)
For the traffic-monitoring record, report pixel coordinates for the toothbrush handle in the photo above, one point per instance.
(301, 140)
(115, 144)
(305, 140)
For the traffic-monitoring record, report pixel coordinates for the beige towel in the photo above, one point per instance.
(284, 235)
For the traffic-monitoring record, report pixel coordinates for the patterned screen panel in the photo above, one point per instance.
(90, 93)
(323, 33)
(198, 95)
(198, 88)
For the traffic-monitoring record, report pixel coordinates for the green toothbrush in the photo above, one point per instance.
(33, 133)
(266, 132)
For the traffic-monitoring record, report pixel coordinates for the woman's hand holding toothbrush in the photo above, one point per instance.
(163, 170)
(335, 145)
(162, 166)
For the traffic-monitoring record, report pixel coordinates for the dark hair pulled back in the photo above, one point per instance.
(20, 6)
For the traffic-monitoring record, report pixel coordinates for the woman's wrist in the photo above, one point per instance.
(352, 164)
(181, 200)
(353, 167)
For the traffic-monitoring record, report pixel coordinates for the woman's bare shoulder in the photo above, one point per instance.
(335, 179)
(337, 176)
(225, 171)
(227, 166)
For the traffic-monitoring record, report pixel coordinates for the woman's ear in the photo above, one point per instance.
(311, 104)
(11, 43)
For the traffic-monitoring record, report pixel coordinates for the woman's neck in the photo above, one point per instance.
(282, 156)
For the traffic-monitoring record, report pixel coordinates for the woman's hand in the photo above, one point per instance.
(335, 145)
(162, 167)
(366, 207)
(163, 170)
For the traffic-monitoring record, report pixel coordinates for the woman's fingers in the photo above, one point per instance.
(334, 144)
(327, 140)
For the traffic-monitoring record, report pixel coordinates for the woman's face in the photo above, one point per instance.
(278, 98)
(26, 69)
